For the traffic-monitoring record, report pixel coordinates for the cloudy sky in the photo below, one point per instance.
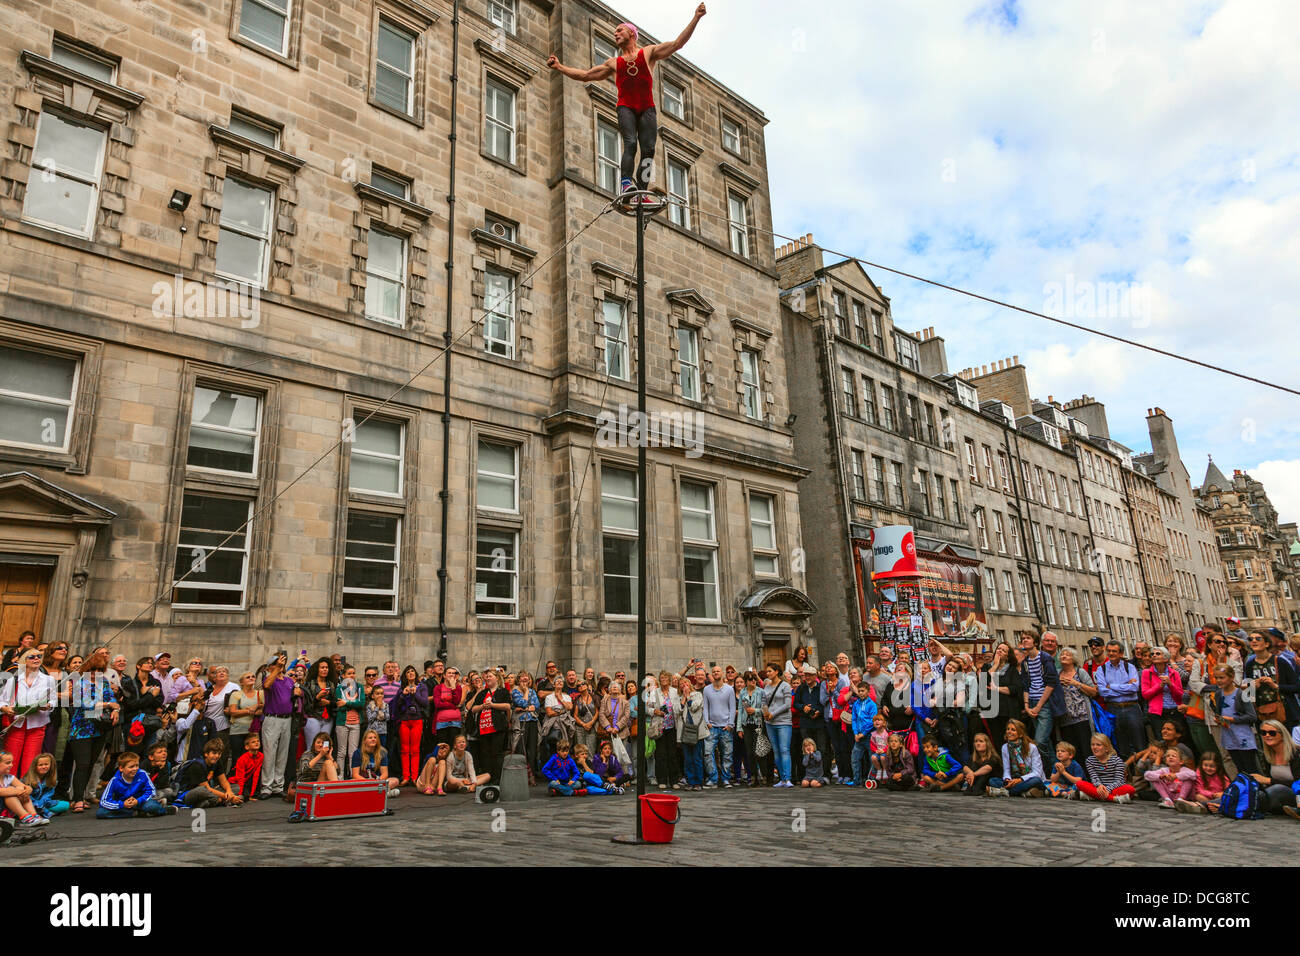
(1022, 147)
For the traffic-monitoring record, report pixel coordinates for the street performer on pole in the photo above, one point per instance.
(637, 120)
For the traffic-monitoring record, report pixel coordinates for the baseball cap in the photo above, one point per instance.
(1096, 642)
(1234, 620)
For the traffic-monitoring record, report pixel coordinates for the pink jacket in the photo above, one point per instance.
(1154, 692)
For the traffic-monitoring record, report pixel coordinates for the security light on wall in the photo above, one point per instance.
(179, 202)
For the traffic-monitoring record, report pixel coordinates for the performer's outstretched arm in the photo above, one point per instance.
(662, 51)
(602, 72)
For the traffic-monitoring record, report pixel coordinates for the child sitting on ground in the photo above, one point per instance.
(1066, 773)
(1173, 781)
(587, 775)
(940, 770)
(1207, 790)
(435, 771)
(203, 783)
(607, 767)
(879, 745)
(130, 793)
(1105, 774)
(248, 768)
(162, 772)
(43, 777)
(564, 779)
(17, 795)
(899, 765)
(814, 774)
(985, 765)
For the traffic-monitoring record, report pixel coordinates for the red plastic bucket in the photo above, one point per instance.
(660, 812)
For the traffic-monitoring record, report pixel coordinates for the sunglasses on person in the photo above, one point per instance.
(1269, 733)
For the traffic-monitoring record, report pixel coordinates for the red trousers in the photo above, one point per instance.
(25, 745)
(411, 731)
(1089, 790)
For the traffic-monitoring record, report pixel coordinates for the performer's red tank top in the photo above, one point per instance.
(636, 91)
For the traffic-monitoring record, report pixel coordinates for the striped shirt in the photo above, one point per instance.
(1109, 775)
(1034, 665)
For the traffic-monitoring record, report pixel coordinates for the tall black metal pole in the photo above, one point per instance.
(641, 511)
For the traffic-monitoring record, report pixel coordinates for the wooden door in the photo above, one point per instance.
(24, 592)
(776, 650)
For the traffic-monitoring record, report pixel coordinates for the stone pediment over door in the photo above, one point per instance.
(41, 522)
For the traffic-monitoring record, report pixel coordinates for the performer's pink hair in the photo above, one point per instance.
(636, 34)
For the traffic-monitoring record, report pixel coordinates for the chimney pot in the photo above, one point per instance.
(1015, 360)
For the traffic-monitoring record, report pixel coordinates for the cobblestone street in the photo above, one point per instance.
(717, 828)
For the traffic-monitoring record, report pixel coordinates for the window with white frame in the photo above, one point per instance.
(999, 532)
(955, 488)
(1052, 554)
(500, 111)
(733, 136)
(38, 393)
(386, 277)
(395, 67)
(762, 527)
(1025, 603)
(1047, 604)
(609, 154)
(88, 64)
(615, 316)
(618, 515)
(499, 304)
(224, 431)
(991, 589)
(989, 475)
(370, 563)
(972, 468)
(673, 98)
(496, 573)
(941, 505)
(1009, 591)
(753, 391)
(922, 482)
(887, 419)
(1087, 609)
(602, 50)
(504, 14)
(212, 552)
(738, 223)
(982, 529)
(908, 352)
(896, 484)
(244, 239)
(699, 552)
(840, 306)
(63, 184)
(868, 399)
(266, 23)
(856, 460)
(860, 333)
(848, 385)
(377, 449)
(1014, 528)
(1060, 603)
(498, 476)
(259, 132)
(688, 362)
(679, 193)
(1038, 540)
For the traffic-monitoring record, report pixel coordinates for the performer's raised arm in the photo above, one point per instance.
(602, 71)
(662, 51)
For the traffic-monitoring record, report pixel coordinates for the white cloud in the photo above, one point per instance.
(1099, 139)
(1282, 481)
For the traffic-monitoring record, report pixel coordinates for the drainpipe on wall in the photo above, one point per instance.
(445, 494)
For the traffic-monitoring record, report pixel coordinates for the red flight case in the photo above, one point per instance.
(341, 799)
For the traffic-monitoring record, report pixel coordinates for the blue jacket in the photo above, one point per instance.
(864, 712)
(943, 762)
(119, 790)
(560, 771)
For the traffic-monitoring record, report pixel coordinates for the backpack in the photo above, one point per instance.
(1241, 800)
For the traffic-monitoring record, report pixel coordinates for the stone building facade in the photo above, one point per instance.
(1147, 506)
(1255, 552)
(1021, 465)
(879, 426)
(229, 270)
(907, 442)
(1193, 551)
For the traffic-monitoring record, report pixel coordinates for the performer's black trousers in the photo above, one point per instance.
(637, 128)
